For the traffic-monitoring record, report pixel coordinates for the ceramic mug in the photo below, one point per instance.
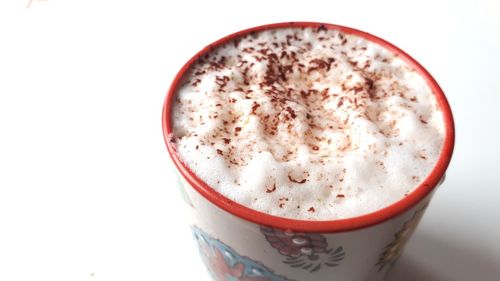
(239, 243)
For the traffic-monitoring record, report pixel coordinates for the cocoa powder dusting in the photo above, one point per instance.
(297, 96)
(272, 189)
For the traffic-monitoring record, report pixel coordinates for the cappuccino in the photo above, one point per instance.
(307, 123)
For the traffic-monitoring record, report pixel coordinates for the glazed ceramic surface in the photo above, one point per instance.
(234, 249)
(240, 244)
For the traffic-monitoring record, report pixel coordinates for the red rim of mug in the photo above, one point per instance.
(327, 226)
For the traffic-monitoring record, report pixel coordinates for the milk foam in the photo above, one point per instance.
(307, 123)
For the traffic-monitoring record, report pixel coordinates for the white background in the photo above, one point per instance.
(85, 190)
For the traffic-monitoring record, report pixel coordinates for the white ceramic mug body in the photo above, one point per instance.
(236, 249)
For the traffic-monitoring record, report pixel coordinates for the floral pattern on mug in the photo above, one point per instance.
(392, 251)
(224, 264)
(307, 251)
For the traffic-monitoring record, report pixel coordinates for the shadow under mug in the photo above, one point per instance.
(238, 243)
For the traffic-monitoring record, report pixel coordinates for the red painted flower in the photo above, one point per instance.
(308, 251)
(223, 271)
(295, 244)
(225, 264)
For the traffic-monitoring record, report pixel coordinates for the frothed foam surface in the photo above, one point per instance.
(307, 124)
